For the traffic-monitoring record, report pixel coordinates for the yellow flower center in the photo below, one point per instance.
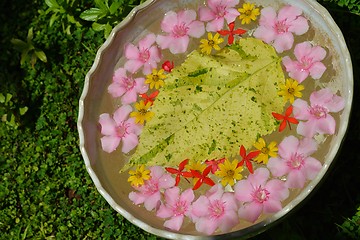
(248, 12)
(138, 174)
(155, 78)
(211, 43)
(265, 150)
(291, 91)
(230, 173)
(142, 111)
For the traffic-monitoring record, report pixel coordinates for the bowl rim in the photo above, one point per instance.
(256, 228)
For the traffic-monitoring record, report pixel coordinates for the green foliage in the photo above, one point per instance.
(28, 51)
(106, 15)
(351, 226)
(9, 112)
(352, 5)
(64, 11)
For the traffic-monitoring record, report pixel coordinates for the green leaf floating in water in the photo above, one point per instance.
(210, 105)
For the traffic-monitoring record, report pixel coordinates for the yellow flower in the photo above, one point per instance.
(248, 13)
(156, 78)
(138, 176)
(142, 114)
(212, 42)
(196, 166)
(290, 90)
(229, 172)
(266, 151)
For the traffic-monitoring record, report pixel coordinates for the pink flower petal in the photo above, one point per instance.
(299, 75)
(307, 129)
(215, 192)
(116, 89)
(302, 50)
(166, 181)
(268, 17)
(133, 127)
(307, 146)
(206, 225)
(187, 196)
(147, 41)
(251, 211)
(164, 211)
(326, 125)
(186, 16)
(137, 198)
(283, 42)
(215, 25)
(272, 206)
(140, 85)
(152, 201)
(299, 26)
(231, 15)
(289, 13)
(129, 97)
(200, 207)
(278, 190)
(295, 179)
(312, 167)
(317, 54)
(265, 34)
(108, 125)
(174, 223)
(169, 22)
(230, 201)
(156, 172)
(196, 29)
(317, 70)
(133, 65)
(228, 221)
(122, 113)
(110, 143)
(287, 146)
(164, 41)
(129, 142)
(300, 110)
(131, 51)
(179, 45)
(321, 97)
(172, 196)
(278, 167)
(119, 74)
(243, 190)
(259, 177)
(205, 14)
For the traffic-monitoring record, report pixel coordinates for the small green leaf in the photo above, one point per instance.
(41, 55)
(2, 98)
(93, 14)
(52, 3)
(114, 7)
(8, 97)
(23, 110)
(53, 18)
(30, 35)
(19, 45)
(108, 29)
(98, 26)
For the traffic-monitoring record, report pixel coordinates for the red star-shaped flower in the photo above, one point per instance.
(247, 158)
(179, 172)
(286, 119)
(214, 164)
(203, 178)
(149, 98)
(231, 32)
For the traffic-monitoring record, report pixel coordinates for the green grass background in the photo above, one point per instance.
(45, 191)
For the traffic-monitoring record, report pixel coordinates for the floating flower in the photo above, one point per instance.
(278, 29)
(212, 42)
(202, 178)
(215, 209)
(142, 114)
(231, 32)
(149, 193)
(216, 12)
(294, 161)
(179, 28)
(229, 172)
(248, 13)
(214, 164)
(285, 119)
(179, 172)
(156, 79)
(265, 150)
(308, 62)
(316, 118)
(260, 195)
(144, 55)
(126, 87)
(138, 176)
(195, 165)
(168, 66)
(290, 90)
(246, 158)
(176, 206)
(149, 98)
(119, 129)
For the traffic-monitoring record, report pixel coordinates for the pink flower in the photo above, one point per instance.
(215, 209)
(126, 86)
(216, 12)
(119, 129)
(316, 118)
(308, 62)
(260, 195)
(179, 28)
(278, 29)
(176, 207)
(294, 161)
(149, 193)
(144, 55)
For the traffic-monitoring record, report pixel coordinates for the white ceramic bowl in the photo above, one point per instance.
(95, 100)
